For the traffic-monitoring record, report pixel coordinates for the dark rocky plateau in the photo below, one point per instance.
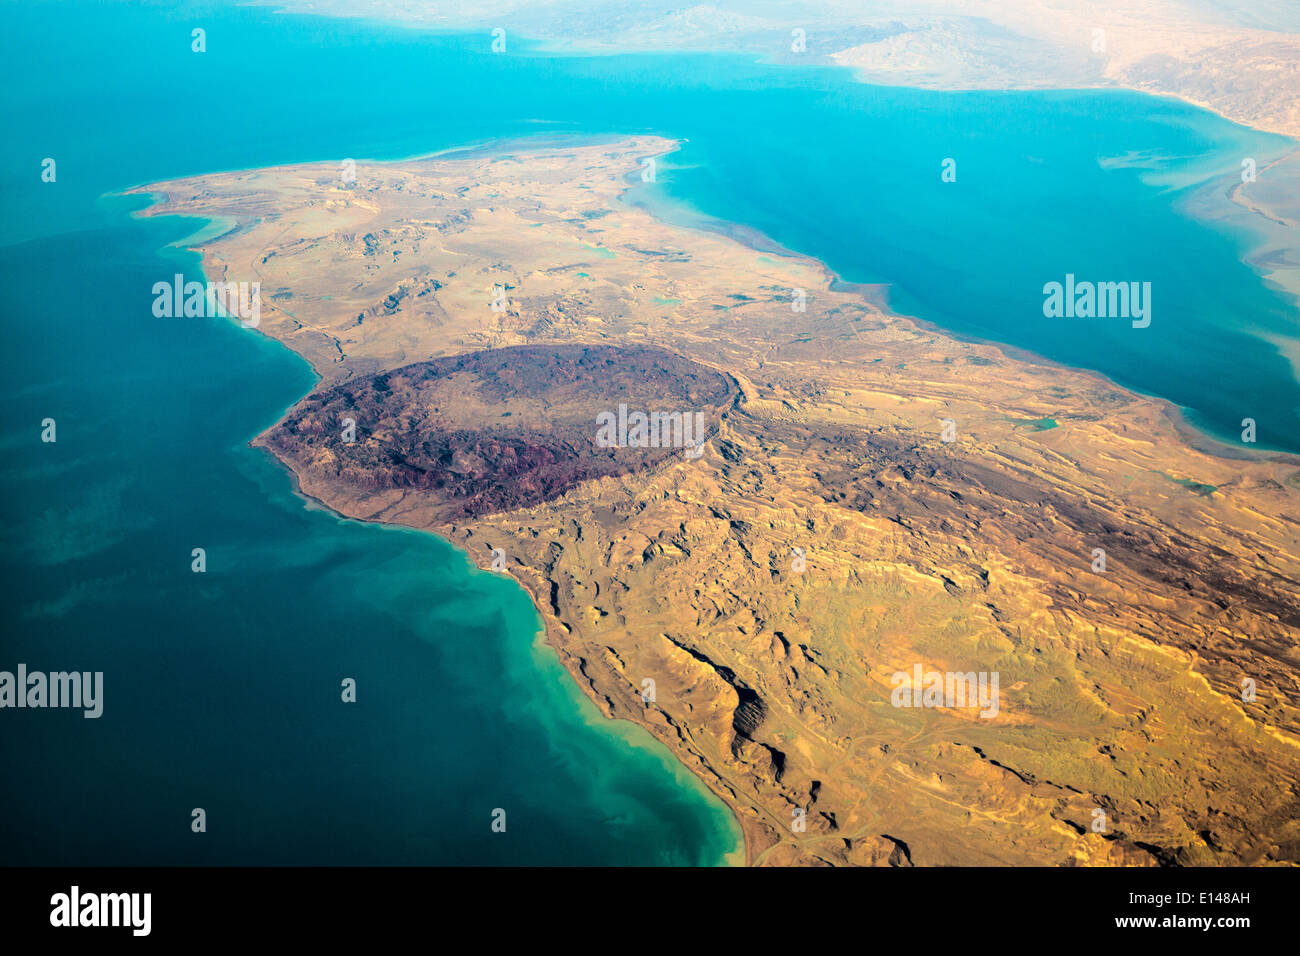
(497, 429)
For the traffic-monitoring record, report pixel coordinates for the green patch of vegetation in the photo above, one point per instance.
(1037, 424)
(1196, 487)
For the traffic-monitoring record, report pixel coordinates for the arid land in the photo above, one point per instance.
(1241, 60)
(823, 537)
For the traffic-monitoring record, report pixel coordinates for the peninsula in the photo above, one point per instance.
(871, 497)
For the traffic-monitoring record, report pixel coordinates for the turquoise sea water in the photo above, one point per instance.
(222, 689)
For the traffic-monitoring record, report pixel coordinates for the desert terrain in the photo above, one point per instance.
(472, 314)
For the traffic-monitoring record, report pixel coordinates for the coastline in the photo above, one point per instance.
(549, 635)
(1077, 75)
(679, 214)
(543, 638)
(211, 231)
(550, 628)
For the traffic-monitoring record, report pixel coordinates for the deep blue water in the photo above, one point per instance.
(222, 688)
